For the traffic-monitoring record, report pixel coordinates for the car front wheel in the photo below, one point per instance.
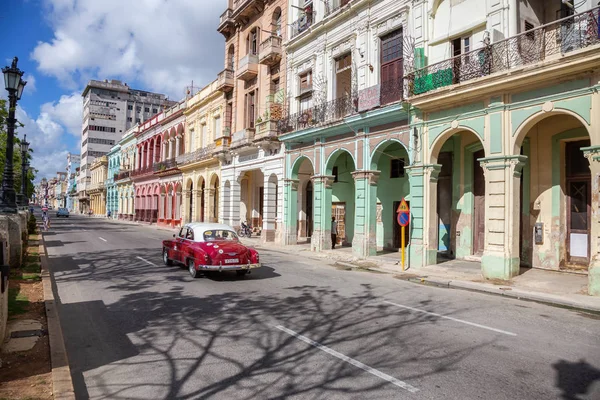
(194, 273)
(166, 259)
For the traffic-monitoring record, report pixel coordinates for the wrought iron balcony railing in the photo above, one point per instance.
(122, 175)
(142, 171)
(198, 155)
(171, 163)
(547, 41)
(226, 16)
(326, 113)
(303, 23)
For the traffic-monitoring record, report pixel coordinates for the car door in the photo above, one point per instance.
(186, 245)
(179, 243)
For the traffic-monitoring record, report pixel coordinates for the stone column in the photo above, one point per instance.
(423, 246)
(501, 258)
(177, 146)
(593, 155)
(209, 205)
(321, 239)
(187, 199)
(269, 210)
(290, 211)
(234, 205)
(364, 242)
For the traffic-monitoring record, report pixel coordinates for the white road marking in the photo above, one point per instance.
(146, 261)
(349, 360)
(453, 319)
(101, 238)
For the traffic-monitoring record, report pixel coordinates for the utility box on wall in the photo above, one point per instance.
(538, 233)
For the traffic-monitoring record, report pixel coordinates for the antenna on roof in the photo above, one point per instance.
(190, 91)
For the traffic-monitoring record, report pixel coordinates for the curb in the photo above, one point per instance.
(62, 383)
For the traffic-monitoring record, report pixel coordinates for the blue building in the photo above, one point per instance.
(114, 165)
(70, 194)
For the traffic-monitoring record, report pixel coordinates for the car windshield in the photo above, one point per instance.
(211, 236)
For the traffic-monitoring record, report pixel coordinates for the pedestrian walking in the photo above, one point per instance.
(333, 232)
(108, 214)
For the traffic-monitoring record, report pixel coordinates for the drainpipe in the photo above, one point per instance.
(513, 18)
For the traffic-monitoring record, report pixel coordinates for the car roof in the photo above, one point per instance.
(200, 227)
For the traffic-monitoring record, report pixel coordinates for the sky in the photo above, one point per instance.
(154, 45)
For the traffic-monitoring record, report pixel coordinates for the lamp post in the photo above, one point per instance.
(14, 85)
(24, 169)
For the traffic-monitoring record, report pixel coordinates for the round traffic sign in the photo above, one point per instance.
(403, 218)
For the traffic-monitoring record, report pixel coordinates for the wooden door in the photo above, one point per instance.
(391, 67)
(578, 191)
(338, 210)
(444, 202)
(478, 205)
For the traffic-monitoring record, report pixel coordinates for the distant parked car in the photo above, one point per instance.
(62, 212)
(209, 247)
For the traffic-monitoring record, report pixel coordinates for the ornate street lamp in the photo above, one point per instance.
(14, 85)
(24, 169)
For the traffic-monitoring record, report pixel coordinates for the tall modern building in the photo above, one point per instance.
(110, 108)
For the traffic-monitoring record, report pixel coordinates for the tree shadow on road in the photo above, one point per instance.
(575, 378)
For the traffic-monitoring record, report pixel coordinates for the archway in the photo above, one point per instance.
(302, 172)
(555, 201)
(252, 198)
(213, 199)
(341, 196)
(389, 158)
(456, 197)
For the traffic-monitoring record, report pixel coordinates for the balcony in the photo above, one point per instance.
(243, 10)
(122, 175)
(330, 9)
(266, 131)
(380, 95)
(226, 23)
(327, 113)
(142, 171)
(248, 68)
(166, 166)
(303, 23)
(196, 156)
(242, 138)
(225, 81)
(270, 51)
(547, 42)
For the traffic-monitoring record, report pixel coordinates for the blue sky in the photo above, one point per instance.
(157, 45)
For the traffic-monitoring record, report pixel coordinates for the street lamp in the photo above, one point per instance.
(24, 169)
(14, 85)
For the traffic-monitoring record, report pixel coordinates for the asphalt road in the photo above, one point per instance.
(298, 329)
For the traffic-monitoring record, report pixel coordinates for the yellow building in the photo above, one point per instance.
(198, 164)
(97, 191)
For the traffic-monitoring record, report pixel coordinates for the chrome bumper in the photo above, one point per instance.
(234, 267)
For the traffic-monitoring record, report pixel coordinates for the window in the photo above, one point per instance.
(204, 132)
(129, 107)
(101, 128)
(192, 141)
(343, 75)
(138, 109)
(397, 168)
(129, 119)
(137, 120)
(306, 103)
(391, 67)
(252, 42)
(146, 109)
(250, 109)
(305, 82)
(334, 172)
(217, 126)
(461, 45)
(231, 58)
(154, 111)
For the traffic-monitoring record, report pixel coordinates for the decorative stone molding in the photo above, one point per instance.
(371, 176)
(502, 162)
(293, 183)
(326, 180)
(592, 153)
(548, 107)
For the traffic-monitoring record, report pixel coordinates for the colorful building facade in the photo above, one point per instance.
(97, 188)
(123, 181)
(112, 194)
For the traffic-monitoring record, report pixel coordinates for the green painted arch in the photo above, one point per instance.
(520, 133)
(438, 143)
(333, 158)
(297, 164)
(375, 155)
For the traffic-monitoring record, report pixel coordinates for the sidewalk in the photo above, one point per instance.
(562, 289)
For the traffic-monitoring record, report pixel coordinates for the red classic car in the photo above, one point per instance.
(209, 247)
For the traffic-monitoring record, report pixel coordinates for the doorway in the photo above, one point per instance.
(309, 209)
(478, 204)
(578, 185)
(444, 202)
(338, 210)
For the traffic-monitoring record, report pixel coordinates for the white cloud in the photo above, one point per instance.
(46, 137)
(164, 45)
(30, 88)
(68, 111)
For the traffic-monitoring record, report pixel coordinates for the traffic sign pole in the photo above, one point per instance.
(403, 220)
